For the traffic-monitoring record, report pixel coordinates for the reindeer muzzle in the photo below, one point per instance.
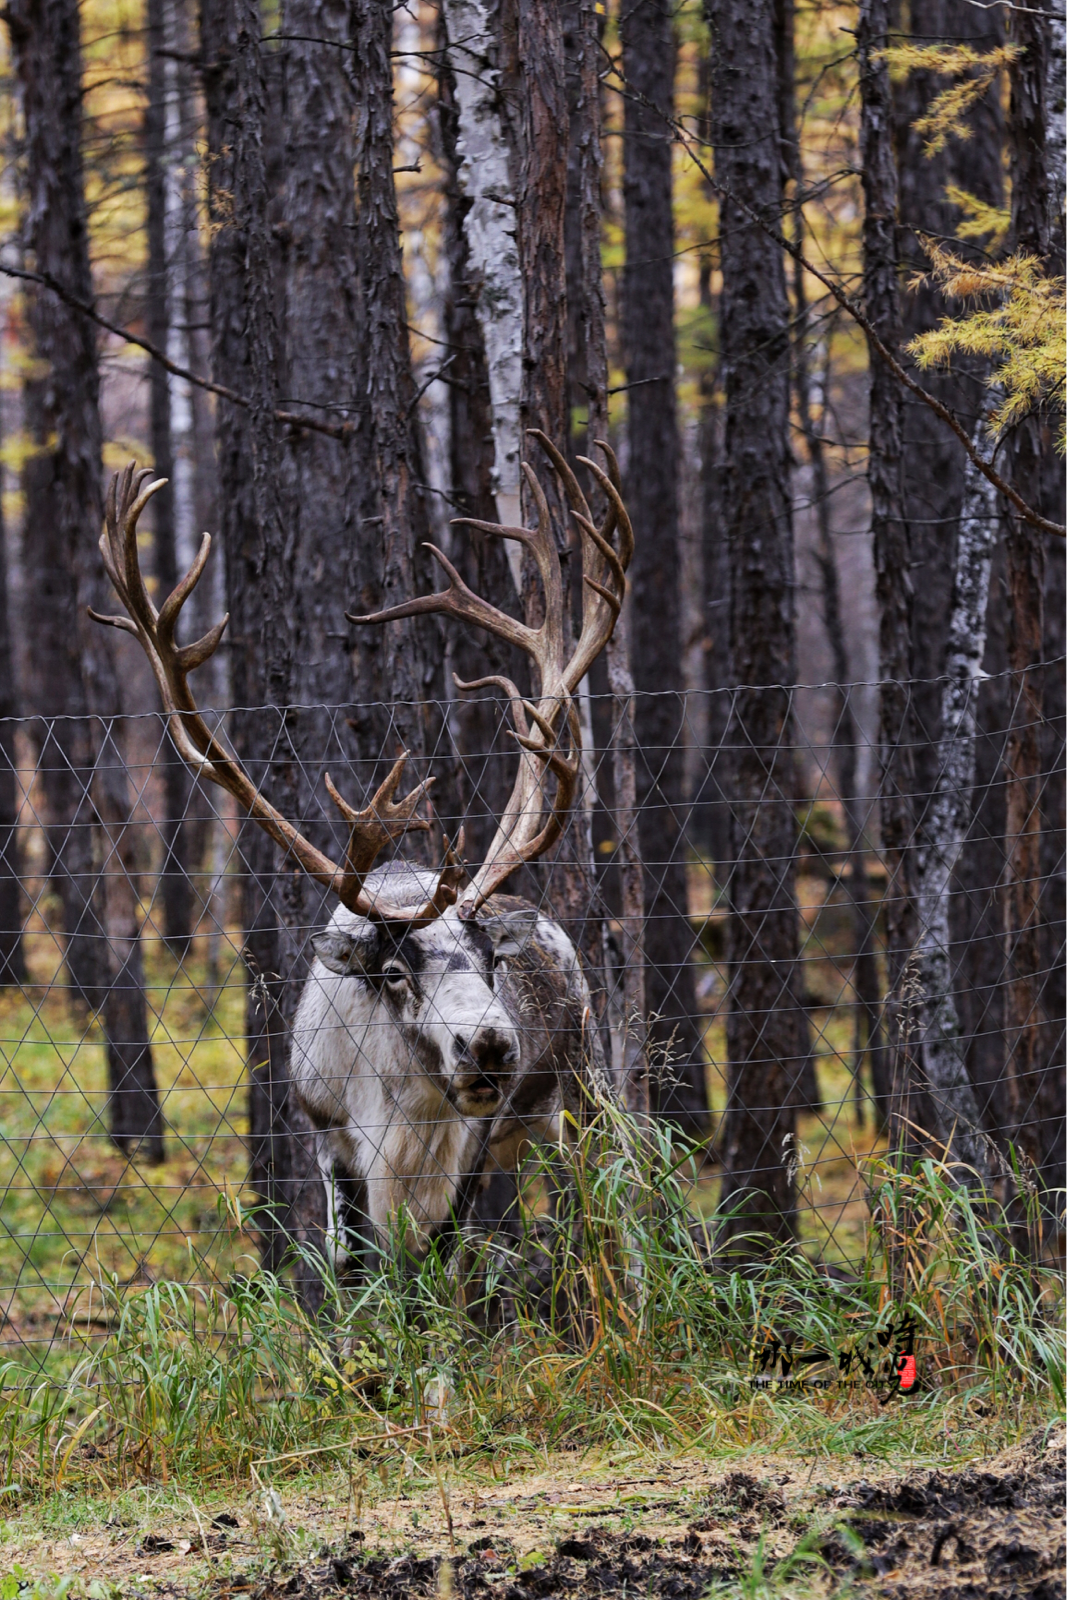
(484, 1067)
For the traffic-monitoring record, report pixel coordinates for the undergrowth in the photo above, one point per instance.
(635, 1333)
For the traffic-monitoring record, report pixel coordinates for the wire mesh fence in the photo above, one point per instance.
(167, 1064)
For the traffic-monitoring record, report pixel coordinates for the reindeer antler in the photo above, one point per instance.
(384, 820)
(522, 835)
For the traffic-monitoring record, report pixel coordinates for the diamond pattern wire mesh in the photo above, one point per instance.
(74, 1208)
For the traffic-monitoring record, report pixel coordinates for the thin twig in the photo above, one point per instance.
(333, 430)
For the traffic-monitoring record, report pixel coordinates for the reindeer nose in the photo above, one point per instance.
(491, 1051)
(482, 1061)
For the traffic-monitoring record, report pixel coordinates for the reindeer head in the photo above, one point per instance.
(548, 732)
(428, 998)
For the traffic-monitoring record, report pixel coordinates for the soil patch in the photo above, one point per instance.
(973, 1535)
(598, 1563)
(990, 1534)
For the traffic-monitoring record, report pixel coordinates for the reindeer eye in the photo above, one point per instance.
(394, 975)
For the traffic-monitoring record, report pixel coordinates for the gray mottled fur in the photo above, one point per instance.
(428, 1055)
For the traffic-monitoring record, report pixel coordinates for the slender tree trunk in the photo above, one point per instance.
(1053, 1132)
(846, 731)
(319, 482)
(259, 587)
(175, 886)
(1035, 1090)
(932, 461)
(805, 1079)
(388, 552)
(541, 134)
(678, 1089)
(12, 956)
(587, 381)
(483, 437)
(194, 439)
(712, 812)
(85, 788)
(490, 229)
(946, 825)
(892, 552)
(760, 1123)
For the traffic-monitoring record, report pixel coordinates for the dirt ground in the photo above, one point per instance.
(690, 1528)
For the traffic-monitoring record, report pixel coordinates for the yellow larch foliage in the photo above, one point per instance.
(1017, 324)
(980, 219)
(945, 117)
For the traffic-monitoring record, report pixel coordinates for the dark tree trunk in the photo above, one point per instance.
(932, 458)
(12, 956)
(678, 1089)
(891, 1068)
(760, 1124)
(321, 338)
(1052, 1150)
(1051, 1154)
(1035, 1072)
(587, 360)
(175, 886)
(76, 678)
(544, 139)
(535, 80)
(399, 664)
(622, 963)
(322, 333)
(259, 586)
(711, 813)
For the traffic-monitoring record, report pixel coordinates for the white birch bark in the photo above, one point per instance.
(1055, 128)
(949, 817)
(491, 230)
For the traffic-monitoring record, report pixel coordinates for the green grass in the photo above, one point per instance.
(644, 1345)
(142, 1344)
(74, 1212)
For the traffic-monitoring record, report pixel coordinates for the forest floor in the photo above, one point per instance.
(679, 1527)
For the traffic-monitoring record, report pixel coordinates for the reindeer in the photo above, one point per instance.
(444, 1025)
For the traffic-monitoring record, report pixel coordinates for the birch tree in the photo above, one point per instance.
(490, 229)
(946, 823)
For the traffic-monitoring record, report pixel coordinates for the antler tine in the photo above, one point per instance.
(548, 734)
(564, 473)
(547, 558)
(458, 601)
(611, 483)
(599, 561)
(516, 840)
(378, 824)
(496, 680)
(128, 494)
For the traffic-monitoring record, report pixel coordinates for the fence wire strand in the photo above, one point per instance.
(79, 1205)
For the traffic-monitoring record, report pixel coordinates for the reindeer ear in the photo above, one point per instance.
(510, 931)
(344, 952)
